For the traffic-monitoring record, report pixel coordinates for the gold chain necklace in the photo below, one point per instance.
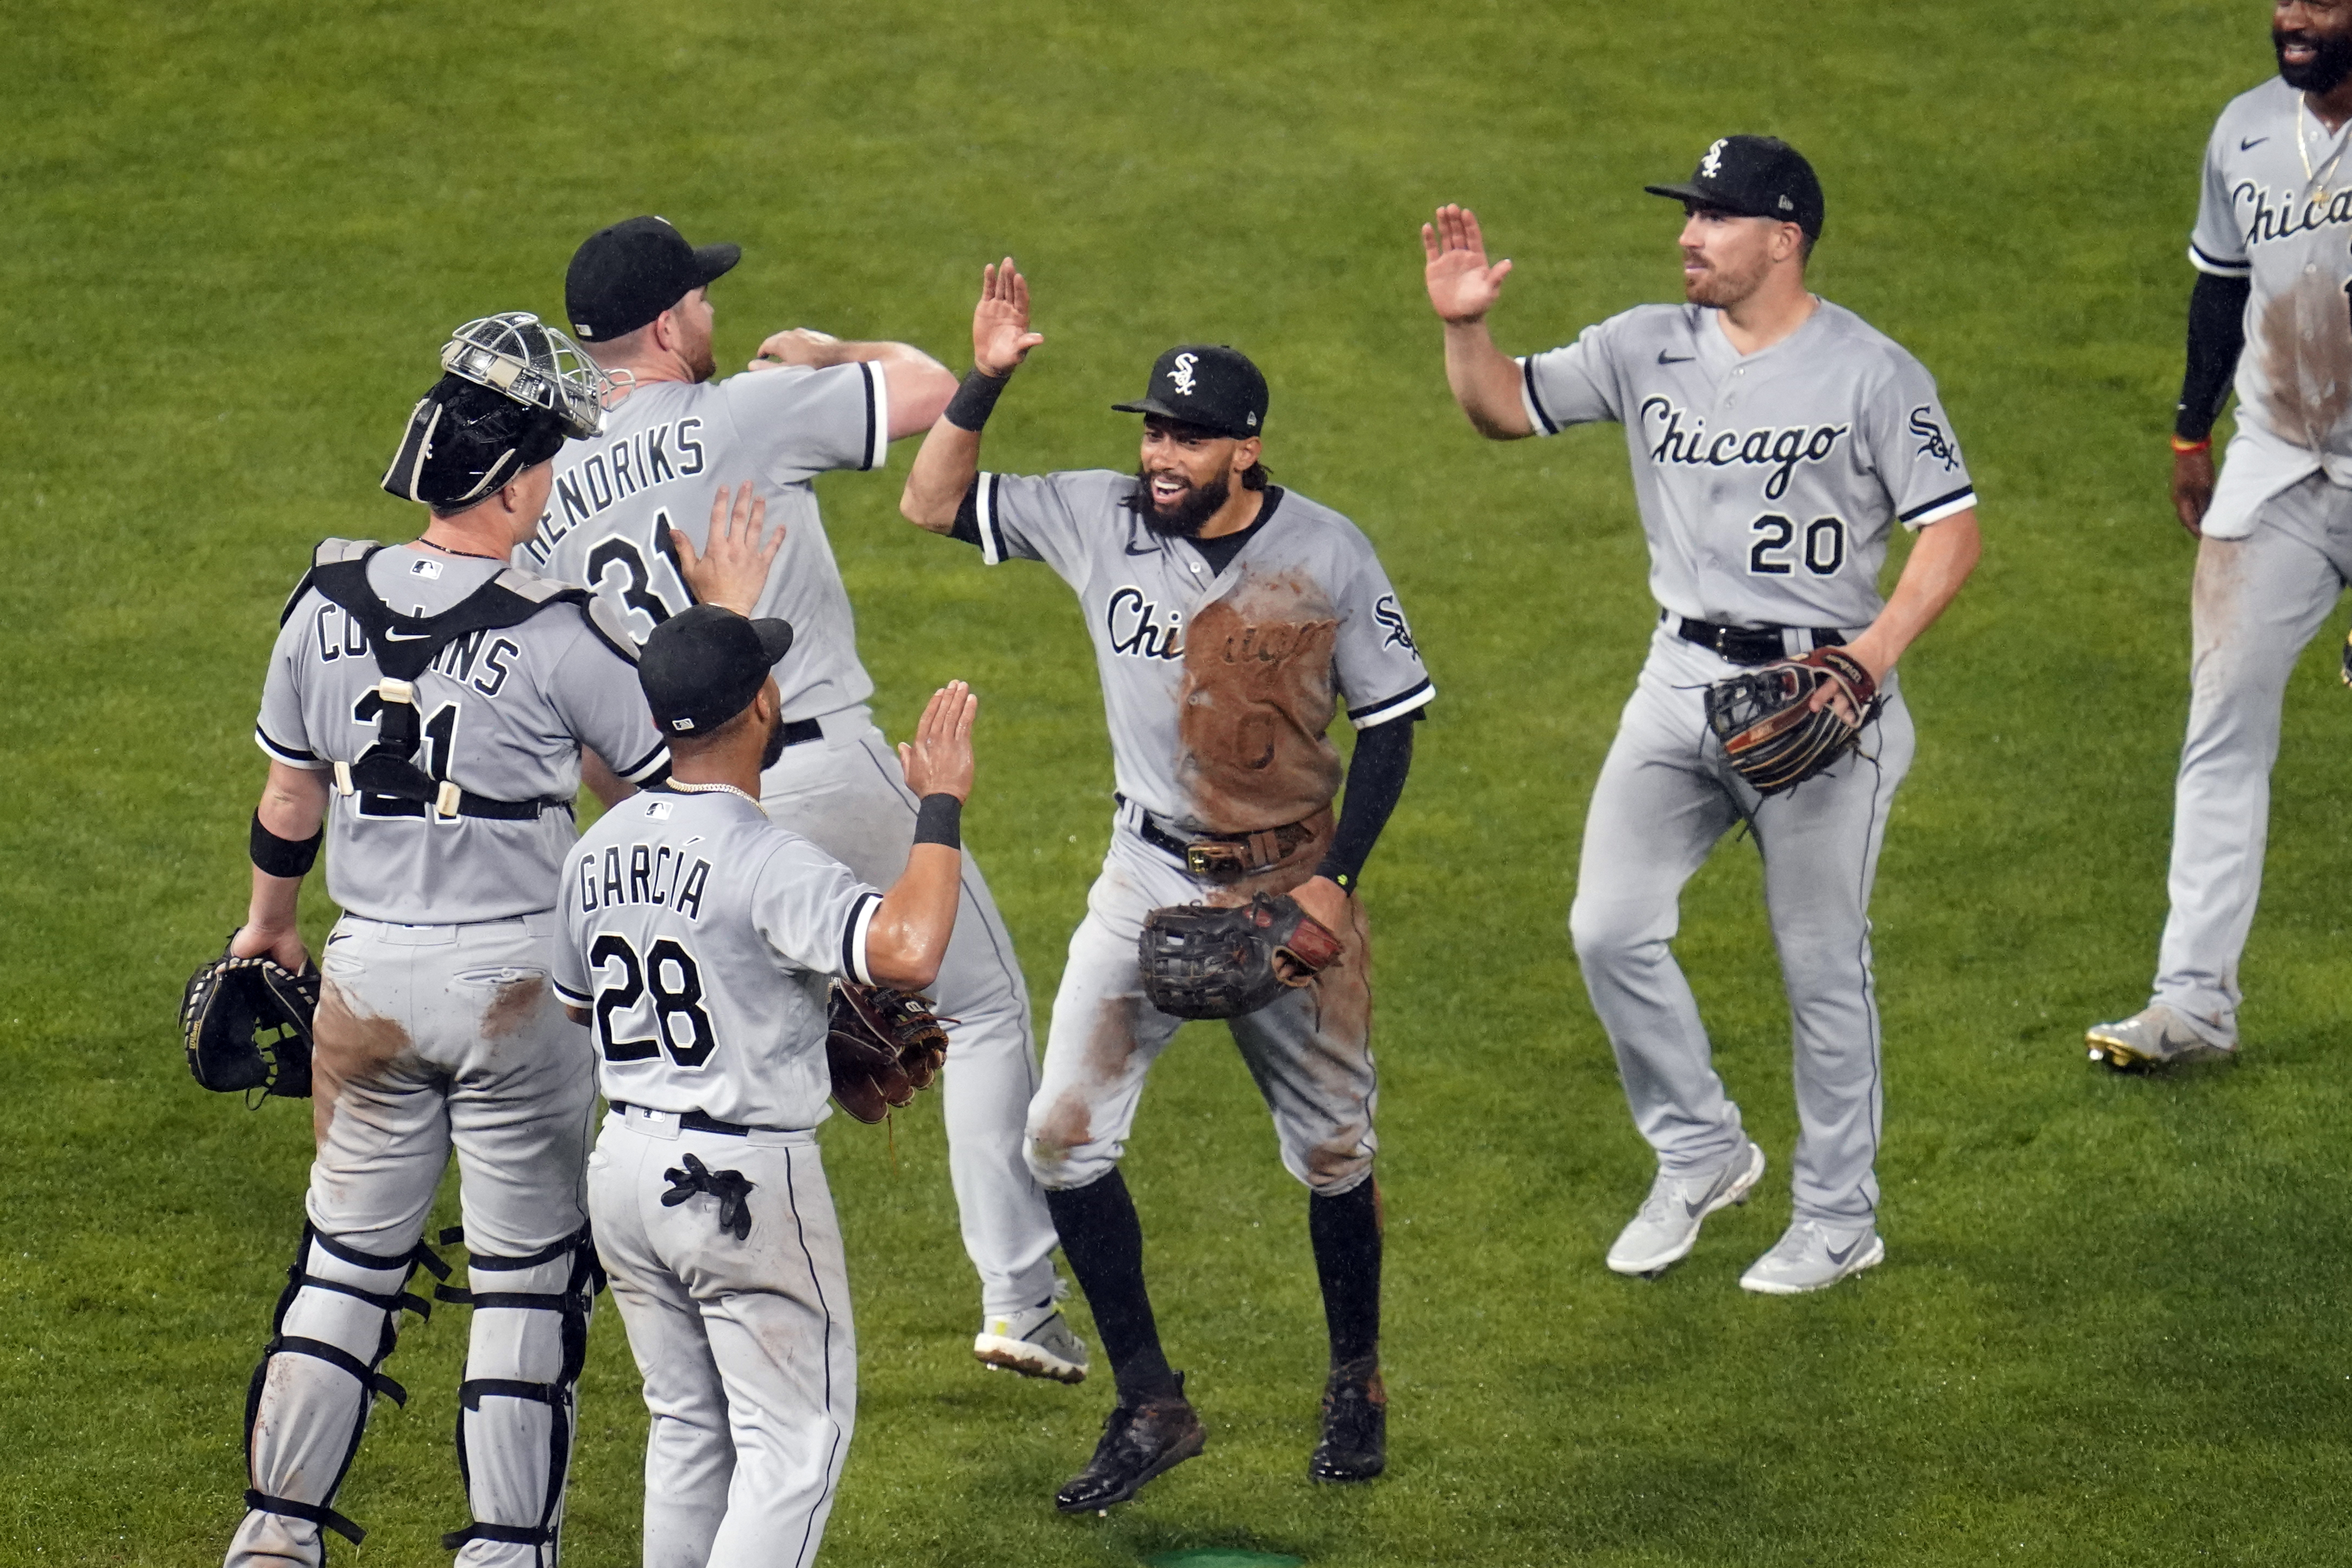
(2315, 176)
(715, 788)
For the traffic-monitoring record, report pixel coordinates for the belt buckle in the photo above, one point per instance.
(1722, 635)
(1197, 860)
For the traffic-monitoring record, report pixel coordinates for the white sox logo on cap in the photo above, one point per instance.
(1712, 164)
(1181, 376)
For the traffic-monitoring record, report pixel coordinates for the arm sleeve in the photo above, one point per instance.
(1375, 783)
(2217, 336)
(1572, 385)
(1907, 440)
(1048, 518)
(795, 422)
(814, 914)
(280, 731)
(595, 693)
(2217, 244)
(1377, 660)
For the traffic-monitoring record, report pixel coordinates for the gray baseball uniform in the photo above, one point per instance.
(1768, 485)
(436, 1031)
(702, 938)
(668, 447)
(1218, 686)
(2277, 208)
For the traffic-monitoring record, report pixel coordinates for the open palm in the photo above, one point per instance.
(1001, 337)
(1462, 287)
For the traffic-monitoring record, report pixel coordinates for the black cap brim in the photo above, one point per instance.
(1153, 405)
(713, 262)
(775, 634)
(1699, 195)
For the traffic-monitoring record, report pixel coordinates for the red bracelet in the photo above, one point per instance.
(2183, 448)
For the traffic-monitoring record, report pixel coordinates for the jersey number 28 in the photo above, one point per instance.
(669, 973)
(1823, 550)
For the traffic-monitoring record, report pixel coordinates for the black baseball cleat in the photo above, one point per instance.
(1355, 1446)
(1137, 1444)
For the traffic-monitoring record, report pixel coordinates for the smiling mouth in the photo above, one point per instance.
(1166, 491)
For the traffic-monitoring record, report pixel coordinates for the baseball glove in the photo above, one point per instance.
(246, 1023)
(1775, 738)
(882, 1046)
(1210, 961)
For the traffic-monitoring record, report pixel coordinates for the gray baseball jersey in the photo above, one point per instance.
(703, 937)
(504, 711)
(2277, 208)
(1768, 482)
(1218, 685)
(665, 452)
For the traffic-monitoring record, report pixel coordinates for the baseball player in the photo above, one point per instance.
(1230, 619)
(627, 519)
(699, 937)
(428, 703)
(2275, 534)
(1776, 441)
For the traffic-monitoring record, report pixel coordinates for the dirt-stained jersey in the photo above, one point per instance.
(1768, 483)
(701, 937)
(2275, 207)
(1218, 685)
(667, 449)
(504, 714)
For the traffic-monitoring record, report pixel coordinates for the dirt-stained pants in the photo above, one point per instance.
(2258, 601)
(430, 1038)
(1309, 1050)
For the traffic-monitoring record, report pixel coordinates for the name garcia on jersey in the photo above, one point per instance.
(613, 472)
(1676, 435)
(657, 874)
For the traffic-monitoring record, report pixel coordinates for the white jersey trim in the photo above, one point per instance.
(1539, 421)
(1397, 706)
(854, 937)
(652, 764)
(569, 997)
(2219, 268)
(1937, 510)
(878, 415)
(983, 502)
(286, 754)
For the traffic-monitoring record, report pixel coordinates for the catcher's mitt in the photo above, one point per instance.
(1210, 961)
(882, 1045)
(246, 1023)
(1774, 736)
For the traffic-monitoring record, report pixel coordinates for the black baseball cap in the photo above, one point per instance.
(623, 276)
(1755, 177)
(702, 668)
(1208, 384)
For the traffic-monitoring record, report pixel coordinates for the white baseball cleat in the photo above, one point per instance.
(1666, 1229)
(1810, 1256)
(1035, 1341)
(2157, 1036)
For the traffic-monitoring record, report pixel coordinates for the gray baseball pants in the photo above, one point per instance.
(1666, 796)
(2257, 603)
(846, 795)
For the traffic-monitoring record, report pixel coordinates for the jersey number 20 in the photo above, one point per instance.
(1823, 550)
(669, 973)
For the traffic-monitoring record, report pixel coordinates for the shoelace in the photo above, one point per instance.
(730, 1187)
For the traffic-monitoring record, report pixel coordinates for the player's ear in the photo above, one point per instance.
(1245, 455)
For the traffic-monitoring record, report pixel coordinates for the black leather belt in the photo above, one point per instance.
(1750, 644)
(696, 1122)
(1222, 856)
(801, 731)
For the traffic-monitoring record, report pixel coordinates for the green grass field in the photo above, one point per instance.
(2110, 1327)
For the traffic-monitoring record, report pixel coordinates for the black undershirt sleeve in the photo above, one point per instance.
(2217, 335)
(1375, 784)
(967, 522)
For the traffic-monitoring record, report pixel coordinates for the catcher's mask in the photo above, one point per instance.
(514, 387)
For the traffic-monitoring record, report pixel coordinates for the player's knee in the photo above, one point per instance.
(1607, 930)
(1338, 1164)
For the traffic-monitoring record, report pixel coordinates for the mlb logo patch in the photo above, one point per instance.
(658, 811)
(423, 568)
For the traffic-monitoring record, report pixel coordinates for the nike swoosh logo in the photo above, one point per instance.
(406, 636)
(1838, 1258)
(1690, 1208)
(2248, 146)
(1666, 358)
(1150, 550)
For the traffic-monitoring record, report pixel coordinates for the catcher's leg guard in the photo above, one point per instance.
(335, 1323)
(515, 1415)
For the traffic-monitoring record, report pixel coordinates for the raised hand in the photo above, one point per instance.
(1462, 287)
(939, 760)
(1001, 337)
(732, 570)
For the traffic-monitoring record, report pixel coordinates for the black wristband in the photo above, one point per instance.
(939, 822)
(975, 398)
(283, 857)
